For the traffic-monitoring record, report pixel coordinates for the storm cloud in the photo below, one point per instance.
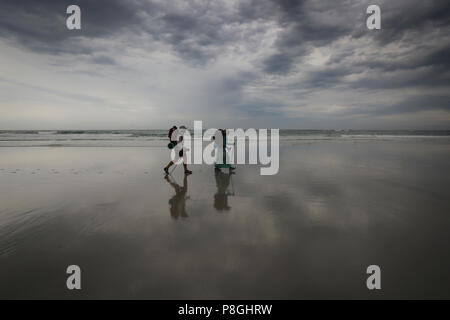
(262, 63)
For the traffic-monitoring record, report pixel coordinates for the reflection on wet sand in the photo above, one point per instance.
(177, 204)
(310, 231)
(223, 181)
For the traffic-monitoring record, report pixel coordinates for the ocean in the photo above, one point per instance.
(142, 138)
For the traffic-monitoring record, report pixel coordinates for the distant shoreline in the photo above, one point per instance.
(282, 132)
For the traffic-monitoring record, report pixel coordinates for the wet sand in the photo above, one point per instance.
(335, 208)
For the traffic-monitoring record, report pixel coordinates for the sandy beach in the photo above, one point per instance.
(335, 207)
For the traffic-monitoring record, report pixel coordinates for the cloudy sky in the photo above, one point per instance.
(307, 64)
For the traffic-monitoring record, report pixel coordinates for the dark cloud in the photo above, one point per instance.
(40, 25)
(309, 24)
(435, 56)
(177, 23)
(410, 52)
(104, 60)
(417, 103)
(198, 32)
(252, 10)
(410, 104)
(193, 36)
(401, 17)
(326, 78)
(280, 63)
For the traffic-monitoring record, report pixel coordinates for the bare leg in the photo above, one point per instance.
(186, 171)
(166, 169)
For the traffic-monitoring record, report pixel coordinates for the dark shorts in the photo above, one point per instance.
(180, 154)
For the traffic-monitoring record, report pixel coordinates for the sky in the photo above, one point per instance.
(300, 64)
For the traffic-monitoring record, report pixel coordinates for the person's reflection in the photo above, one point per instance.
(178, 202)
(221, 197)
